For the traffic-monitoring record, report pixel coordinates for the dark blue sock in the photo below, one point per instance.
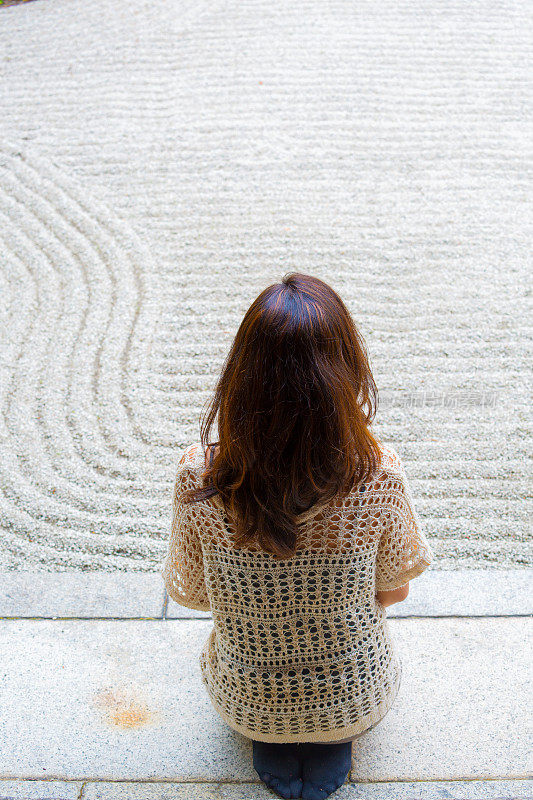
(279, 766)
(325, 767)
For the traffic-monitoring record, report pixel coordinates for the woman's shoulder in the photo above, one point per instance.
(389, 482)
(389, 472)
(195, 457)
(189, 468)
(192, 458)
(390, 458)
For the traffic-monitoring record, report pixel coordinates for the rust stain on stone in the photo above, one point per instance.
(124, 708)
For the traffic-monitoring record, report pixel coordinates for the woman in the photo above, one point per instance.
(296, 530)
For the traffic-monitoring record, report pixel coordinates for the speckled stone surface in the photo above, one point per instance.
(438, 790)
(457, 716)
(488, 592)
(107, 790)
(124, 699)
(79, 594)
(40, 790)
(465, 592)
(171, 161)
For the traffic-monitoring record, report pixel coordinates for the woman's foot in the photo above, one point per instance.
(279, 766)
(325, 767)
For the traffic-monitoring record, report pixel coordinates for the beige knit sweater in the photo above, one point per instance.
(300, 649)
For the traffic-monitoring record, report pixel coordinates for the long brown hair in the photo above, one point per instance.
(294, 401)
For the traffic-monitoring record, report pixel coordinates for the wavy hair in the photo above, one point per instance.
(295, 399)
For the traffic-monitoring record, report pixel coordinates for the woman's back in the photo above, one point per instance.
(300, 648)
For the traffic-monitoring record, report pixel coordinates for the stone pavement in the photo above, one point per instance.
(101, 695)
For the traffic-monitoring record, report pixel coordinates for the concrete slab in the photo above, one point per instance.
(175, 611)
(462, 790)
(468, 592)
(462, 592)
(456, 717)
(177, 791)
(124, 699)
(111, 699)
(79, 594)
(126, 790)
(40, 790)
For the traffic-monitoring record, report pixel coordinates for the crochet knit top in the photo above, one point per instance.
(300, 649)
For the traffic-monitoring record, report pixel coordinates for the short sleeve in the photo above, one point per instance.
(183, 568)
(403, 550)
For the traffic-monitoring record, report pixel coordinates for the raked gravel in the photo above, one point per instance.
(161, 163)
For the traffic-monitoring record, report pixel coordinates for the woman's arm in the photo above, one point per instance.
(393, 596)
(183, 568)
(403, 550)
